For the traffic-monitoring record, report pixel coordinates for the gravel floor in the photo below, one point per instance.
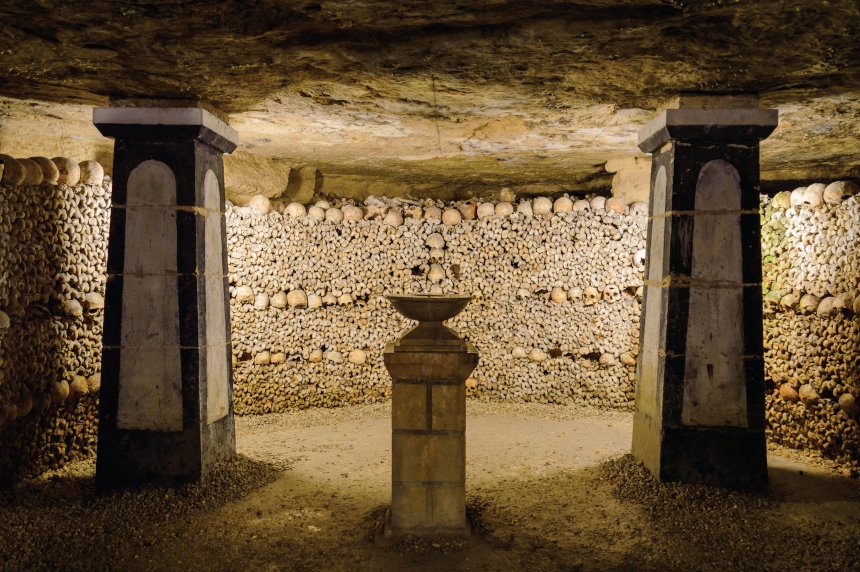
(312, 417)
(549, 488)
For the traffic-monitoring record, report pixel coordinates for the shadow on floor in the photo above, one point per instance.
(252, 515)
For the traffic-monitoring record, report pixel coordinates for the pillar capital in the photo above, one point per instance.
(170, 121)
(727, 124)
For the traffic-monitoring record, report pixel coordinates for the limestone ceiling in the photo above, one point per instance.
(469, 94)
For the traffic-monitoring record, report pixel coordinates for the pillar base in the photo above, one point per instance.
(727, 457)
(391, 534)
(134, 457)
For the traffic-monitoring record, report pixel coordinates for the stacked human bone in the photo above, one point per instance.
(555, 314)
(811, 265)
(53, 242)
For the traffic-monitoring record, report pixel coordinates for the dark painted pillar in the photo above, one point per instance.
(700, 378)
(165, 411)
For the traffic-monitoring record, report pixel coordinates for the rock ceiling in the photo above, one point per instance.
(426, 95)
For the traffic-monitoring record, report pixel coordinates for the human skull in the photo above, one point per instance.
(433, 214)
(334, 215)
(352, 213)
(611, 293)
(590, 296)
(451, 217)
(435, 240)
(562, 205)
(504, 209)
(295, 209)
(486, 210)
(541, 205)
(92, 173)
(32, 172)
(50, 173)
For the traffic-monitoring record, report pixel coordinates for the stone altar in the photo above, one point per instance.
(429, 365)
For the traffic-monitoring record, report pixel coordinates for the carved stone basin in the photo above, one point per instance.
(429, 307)
(430, 310)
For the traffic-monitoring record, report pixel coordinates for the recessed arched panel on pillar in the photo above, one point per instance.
(165, 410)
(150, 376)
(715, 386)
(700, 377)
(646, 393)
(217, 328)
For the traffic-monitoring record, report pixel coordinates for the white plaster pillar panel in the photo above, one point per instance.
(150, 380)
(217, 334)
(650, 333)
(165, 410)
(700, 381)
(715, 389)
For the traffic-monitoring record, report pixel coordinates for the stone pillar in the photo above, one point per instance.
(165, 411)
(700, 378)
(428, 366)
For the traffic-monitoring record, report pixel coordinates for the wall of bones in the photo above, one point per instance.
(811, 267)
(54, 217)
(556, 288)
(554, 315)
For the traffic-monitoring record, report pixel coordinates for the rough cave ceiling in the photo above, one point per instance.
(468, 95)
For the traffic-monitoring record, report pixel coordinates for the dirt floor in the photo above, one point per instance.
(549, 488)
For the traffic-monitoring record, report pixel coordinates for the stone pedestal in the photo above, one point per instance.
(700, 378)
(429, 366)
(165, 411)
